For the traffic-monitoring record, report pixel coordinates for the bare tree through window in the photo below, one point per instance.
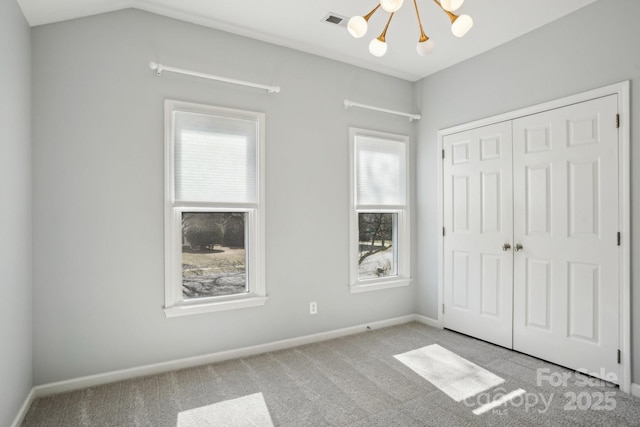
(376, 255)
(213, 254)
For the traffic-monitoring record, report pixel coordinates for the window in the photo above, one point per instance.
(379, 210)
(214, 234)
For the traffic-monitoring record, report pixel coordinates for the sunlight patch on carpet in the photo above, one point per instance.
(452, 374)
(246, 411)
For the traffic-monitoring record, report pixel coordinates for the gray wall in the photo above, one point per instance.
(15, 213)
(98, 190)
(594, 47)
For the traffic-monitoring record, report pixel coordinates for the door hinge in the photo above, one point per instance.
(618, 121)
(619, 238)
(442, 308)
(443, 232)
(619, 356)
(443, 154)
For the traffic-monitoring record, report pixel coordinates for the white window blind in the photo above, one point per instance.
(380, 171)
(215, 158)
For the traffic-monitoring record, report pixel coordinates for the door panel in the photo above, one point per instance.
(461, 203)
(538, 293)
(490, 286)
(478, 222)
(565, 175)
(538, 199)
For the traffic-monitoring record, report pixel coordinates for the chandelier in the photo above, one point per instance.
(460, 25)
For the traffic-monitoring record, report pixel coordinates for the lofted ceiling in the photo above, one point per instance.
(301, 25)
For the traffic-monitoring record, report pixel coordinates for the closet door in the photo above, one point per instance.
(565, 165)
(478, 260)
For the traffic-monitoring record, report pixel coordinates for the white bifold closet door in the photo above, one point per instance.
(478, 212)
(531, 257)
(566, 277)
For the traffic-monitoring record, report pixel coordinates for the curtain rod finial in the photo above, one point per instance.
(155, 66)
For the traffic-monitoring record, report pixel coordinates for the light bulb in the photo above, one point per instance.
(377, 47)
(451, 5)
(391, 5)
(357, 26)
(461, 25)
(425, 47)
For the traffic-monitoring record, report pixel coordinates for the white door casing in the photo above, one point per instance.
(566, 277)
(478, 223)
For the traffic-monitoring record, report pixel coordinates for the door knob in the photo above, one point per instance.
(518, 247)
(506, 247)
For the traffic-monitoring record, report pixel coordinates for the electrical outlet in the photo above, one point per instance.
(313, 307)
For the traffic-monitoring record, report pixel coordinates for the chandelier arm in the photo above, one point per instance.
(423, 36)
(368, 15)
(384, 32)
(452, 16)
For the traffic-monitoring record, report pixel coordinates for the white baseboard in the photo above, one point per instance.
(159, 368)
(24, 408)
(635, 390)
(428, 321)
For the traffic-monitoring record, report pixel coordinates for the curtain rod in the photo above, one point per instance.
(159, 68)
(348, 104)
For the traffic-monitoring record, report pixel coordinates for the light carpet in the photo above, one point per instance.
(353, 381)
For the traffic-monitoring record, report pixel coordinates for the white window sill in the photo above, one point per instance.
(195, 307)
(378, 284)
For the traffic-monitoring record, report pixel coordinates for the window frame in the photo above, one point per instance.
(175, 304)
(403, 276)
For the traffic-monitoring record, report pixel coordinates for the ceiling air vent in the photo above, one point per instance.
(334, 18)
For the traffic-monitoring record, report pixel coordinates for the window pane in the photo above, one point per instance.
(213, 254)
(380, 171)
(377, 252)
(215, 158)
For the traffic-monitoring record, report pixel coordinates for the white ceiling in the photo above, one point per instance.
(300, 25)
